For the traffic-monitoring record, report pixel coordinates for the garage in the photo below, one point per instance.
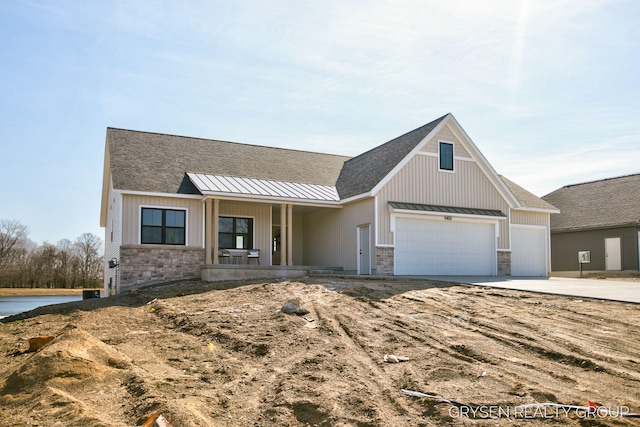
(439, 246)
(528, 251)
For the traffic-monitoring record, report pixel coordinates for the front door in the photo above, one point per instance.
(275, 245)
(612, 254)
(364, 257)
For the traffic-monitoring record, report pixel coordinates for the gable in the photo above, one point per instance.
(464, 150)
(445, 135)
(420, 181)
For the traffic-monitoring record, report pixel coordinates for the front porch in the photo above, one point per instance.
(222, 272)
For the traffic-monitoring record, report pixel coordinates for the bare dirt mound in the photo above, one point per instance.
(229, 356)
(69, 379)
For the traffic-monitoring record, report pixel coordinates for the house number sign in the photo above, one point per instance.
(448, 218)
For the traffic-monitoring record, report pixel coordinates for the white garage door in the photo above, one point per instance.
(437, 247)
(528, 252)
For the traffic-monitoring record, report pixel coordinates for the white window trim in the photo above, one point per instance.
(173, 208)
(453, 156)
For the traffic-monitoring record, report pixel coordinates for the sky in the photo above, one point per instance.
(548, 90)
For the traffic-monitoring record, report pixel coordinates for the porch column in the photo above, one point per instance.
(289, 234)
(283, 234)
(207, 231)
(215, 229)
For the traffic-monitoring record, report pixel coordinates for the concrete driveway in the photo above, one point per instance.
(615, 290)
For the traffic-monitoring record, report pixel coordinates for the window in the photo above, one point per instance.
(163, 226)
(235, 233)
(446, 156)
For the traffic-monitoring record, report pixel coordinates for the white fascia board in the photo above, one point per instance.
(356, 198)
(104, 203)
(531, 227)
(484, 164)
(549, 211)
(268, 199)
(409, 156)
(107, 185)
(155, 194)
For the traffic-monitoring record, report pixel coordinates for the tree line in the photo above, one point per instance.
(67, 264)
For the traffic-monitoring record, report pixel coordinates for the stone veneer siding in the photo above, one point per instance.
(150, 263)
(504, 263)
(384, 260)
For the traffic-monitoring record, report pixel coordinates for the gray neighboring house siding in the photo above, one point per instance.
(591, 213)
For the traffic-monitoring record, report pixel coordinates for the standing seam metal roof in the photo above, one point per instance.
(216, 184)
(447, 209)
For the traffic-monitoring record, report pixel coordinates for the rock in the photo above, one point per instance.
(291, 308)
(36, 343)
(392, 358)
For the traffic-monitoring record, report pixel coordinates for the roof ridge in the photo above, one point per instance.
(438, 120)
(228, 142)
(601, 180)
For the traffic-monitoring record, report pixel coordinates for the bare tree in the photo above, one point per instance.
(89, 246)
(23, 263)
(47, 258)
(65, 276)
(12, 236)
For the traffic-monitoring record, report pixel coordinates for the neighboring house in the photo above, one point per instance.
(600, 217)
(425, 203)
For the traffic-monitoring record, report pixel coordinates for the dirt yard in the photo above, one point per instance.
(203, 354)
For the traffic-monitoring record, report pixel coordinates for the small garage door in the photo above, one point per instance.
(438, 247)
(528, 252)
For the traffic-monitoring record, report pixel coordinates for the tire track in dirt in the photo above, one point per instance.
(516, 338)
(266, 368)
(373, 379)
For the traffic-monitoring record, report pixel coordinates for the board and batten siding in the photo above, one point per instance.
(445, 135)
(113, 235)
(523, 217)
(420, 181)
(131, 205)
(331, 235)
(261, 214)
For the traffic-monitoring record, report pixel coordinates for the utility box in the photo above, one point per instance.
(90, 293)
(584, 257)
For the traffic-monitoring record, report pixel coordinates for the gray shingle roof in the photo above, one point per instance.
(527, 199)
(146, 161)
(159, 163)
(597, 204)
(362, 173)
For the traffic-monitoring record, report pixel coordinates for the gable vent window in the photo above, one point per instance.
(163, 226)
(446, 156)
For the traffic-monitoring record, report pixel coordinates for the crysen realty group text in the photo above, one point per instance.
(537, 411)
